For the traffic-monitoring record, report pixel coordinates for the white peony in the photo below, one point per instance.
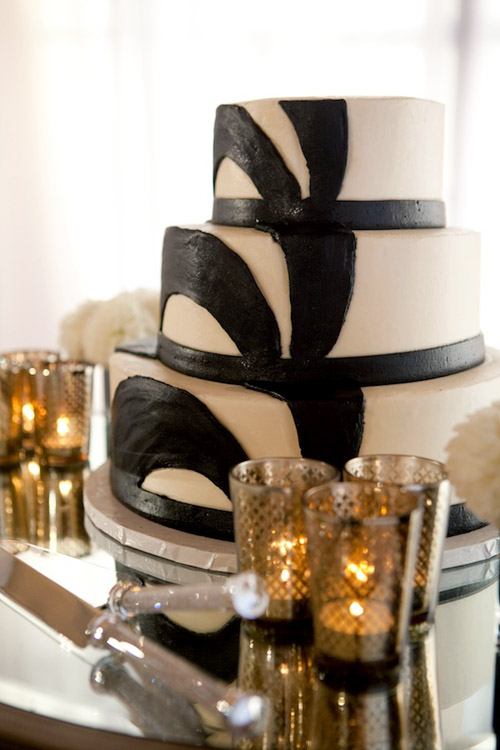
(71, 329)
(474, 462)
(95, 329)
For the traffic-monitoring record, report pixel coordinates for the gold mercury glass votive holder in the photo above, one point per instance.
(10, 414)
(63, 410)
(269, 528)
(362, 542)
(60, 513)
(14, 509)
(280, 666)
(369, 718)
(25, 364)
(427, 479)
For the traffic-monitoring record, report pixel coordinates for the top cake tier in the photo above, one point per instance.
(362, 163)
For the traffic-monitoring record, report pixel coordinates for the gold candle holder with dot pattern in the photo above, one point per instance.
(362, 541)
(369, 718)
(281, 668)
(25, 364)
(269, 527)
(428, 479)
(10, 414)
(62, 412)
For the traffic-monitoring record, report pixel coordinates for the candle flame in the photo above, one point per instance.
(356, 609)
(65, 487)
(62, 426)
(28, 412)
(285, 575)
(361, 571)
(284, 547)
(34, 469)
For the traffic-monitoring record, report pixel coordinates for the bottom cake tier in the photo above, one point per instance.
(175, 437)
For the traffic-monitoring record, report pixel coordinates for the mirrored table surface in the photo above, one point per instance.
(53, 694)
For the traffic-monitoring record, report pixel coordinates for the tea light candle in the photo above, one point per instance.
(65, 487)
(356, 629)
(286, 577)
(64, 435)
(28, 413)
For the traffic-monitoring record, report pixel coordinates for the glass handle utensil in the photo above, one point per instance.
(158, 710)
(244, 593)
(245, 713)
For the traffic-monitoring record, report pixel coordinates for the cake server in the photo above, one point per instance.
(83, 625)
(244, 593)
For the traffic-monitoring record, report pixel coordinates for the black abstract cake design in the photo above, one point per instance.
(325, 311)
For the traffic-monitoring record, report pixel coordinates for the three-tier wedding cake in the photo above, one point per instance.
(325, 311)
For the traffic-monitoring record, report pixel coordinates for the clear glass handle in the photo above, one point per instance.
(160, 712)
(246, 713)
(245, 593)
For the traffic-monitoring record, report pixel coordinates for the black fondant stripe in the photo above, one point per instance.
(200, 266)
(329, 421)
(164, 510)
(155, 425)
(321, 126)
(385, 214)
(239, 138)
(147, 348)
(383, 369)
(321, 277)
(462, 520)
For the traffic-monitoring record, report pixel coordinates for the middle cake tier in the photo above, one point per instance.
(372, 307)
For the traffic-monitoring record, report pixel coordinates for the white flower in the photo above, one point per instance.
(474, 462)
(71, 329)
(95, 329)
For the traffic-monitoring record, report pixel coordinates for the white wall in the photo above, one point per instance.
(106, 115)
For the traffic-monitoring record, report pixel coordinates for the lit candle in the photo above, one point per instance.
(64, 435)
(62, 426)
(34, 470)
(356, 630)
(28, 418)
(286, 577)
(65, 487)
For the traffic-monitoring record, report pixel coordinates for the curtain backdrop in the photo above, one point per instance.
(106, 116)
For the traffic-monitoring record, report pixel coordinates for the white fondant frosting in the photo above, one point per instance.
(186, 486)
(232, 182)
(418, 418)
(395, 148)
(190, 324)
(206, 621)
(413, 289)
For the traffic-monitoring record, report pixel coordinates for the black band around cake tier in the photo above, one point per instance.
(383, 214)
(383, 369)
(193, 519)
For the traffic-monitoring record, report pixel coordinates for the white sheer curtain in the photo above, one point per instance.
(106, 113)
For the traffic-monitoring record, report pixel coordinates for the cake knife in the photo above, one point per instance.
(76, 620)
